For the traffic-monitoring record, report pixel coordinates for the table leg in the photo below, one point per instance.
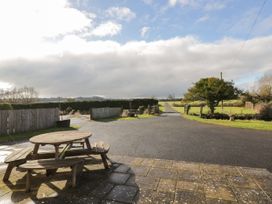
(35, 151)
(65, 149)
(57, 156)
(88, 143)
(74, 175)
(28, 180)
(36, 148)
(104, 159)
(8, 171)
(56, 151)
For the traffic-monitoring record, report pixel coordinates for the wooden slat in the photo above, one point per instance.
(50, 164)
(72, 152)
(24, 154)
(15, 121)
(18, 155)
(61, 137)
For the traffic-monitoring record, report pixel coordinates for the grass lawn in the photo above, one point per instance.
(161, 106)
(142, 116)
(248, 124)
(27, 135)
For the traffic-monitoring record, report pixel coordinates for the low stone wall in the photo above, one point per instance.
(107, 112)
(249, 105)
(257, 107)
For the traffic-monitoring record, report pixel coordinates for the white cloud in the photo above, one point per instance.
(160, 67)
(149, 2)
(216, 5)
(172, 2)
(5, 85)
(200, 4)
(107, 29)
(121, 13)
(43, 18)
(144, 31)
(35, 28)
(29, 23)
(42, 46)
(183, 3)
(203, 19)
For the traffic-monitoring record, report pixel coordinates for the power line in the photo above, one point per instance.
(255, 21)
(250, 30)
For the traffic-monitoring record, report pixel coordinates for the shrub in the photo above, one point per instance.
(266, 112)
(5, 106)
(221, 116)
(245, 116)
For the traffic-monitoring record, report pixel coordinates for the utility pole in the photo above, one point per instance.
(222, 102)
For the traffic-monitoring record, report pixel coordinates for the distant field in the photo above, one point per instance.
(227, 110)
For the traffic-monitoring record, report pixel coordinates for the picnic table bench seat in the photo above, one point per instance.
(51, 164)
(102, 149)
(15, 159)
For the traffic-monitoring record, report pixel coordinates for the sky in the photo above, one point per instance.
(126, 48)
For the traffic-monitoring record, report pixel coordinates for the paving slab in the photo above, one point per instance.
(189, 197)
(144, 181)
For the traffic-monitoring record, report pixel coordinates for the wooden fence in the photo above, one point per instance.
(16, 121)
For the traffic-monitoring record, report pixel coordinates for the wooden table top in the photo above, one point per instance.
(61, 137)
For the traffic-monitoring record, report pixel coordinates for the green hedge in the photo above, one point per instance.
(87, 105)
(223, 116)
(5, 106)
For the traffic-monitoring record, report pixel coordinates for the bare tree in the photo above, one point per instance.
(261, 92)
(21, 95)
(264, 90)
(171, 97)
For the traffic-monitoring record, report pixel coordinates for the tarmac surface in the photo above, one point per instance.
(170, 136)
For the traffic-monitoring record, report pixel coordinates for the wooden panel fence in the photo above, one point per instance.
(16, 121)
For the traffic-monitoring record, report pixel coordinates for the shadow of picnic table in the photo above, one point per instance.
(95, 185)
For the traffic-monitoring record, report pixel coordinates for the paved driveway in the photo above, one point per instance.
(172, 137)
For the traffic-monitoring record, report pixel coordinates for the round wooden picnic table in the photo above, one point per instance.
(58, 138)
